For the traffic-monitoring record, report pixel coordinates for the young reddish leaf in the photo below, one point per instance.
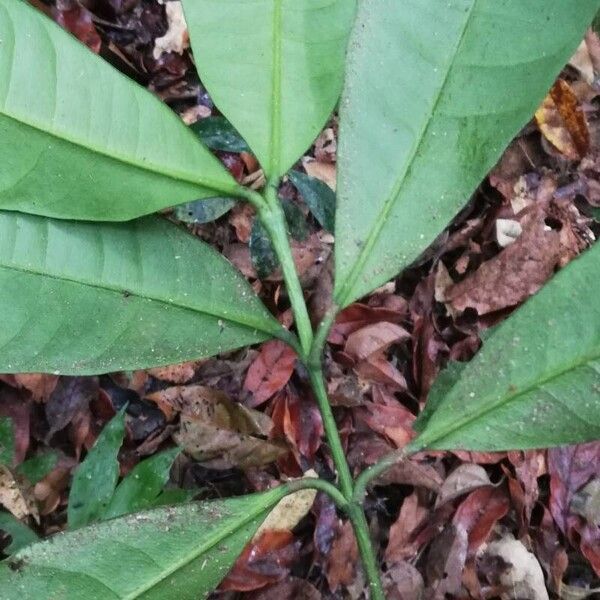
(265, 560)
(270, 371)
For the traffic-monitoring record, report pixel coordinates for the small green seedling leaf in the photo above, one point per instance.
(96, 477)
(7, 441)
(319, 198)
(118, 296)
(20, 534)
(219, 134)
(434, 92)
(275, 69)
(142, 487)
(536, 380)
(174, 553)
(37, 467)
(82, 141)
(203, 211)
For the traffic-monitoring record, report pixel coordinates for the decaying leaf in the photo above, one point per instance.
(16, 495)
(270, 371)
(562, 121)
(520, 574)
(219, 432)
(464, 479)
(176, 39)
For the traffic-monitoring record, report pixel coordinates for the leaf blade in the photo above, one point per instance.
(118, 296)
(156, 554)
(452, 91)
(79, 137)
(257, 59)
(536, 380)
(96, 477)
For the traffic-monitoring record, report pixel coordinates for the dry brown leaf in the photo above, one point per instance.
(179, 374)
(562, 121)
(343, 558)
(324, 171)
(374, 338)
(401, 544)
(16, 495)
(464, 479)
(176, 39)
(521, 575)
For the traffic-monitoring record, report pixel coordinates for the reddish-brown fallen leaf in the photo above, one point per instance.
(292, 588)
(402, 581)
(78, 20)
(376, 368)
(466, 478)
(343, 558)
(297, 418)
(401, 545)
(392, 421)
(445, 562)
(16, 405)
(374, 338)
(516, 273)
(181, 373)
(263, 561)
(570, 468)
(356, 316)
(41, 385)
(270, 371)
(325, 525)
(562, 121)
(479, 512)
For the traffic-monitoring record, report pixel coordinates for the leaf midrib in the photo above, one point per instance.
(423, 442)
(203, 549)
(275, 141)
(236, 318)
(342, 298)
(155, 169)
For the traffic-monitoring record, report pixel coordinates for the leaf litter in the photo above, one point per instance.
(456, 525)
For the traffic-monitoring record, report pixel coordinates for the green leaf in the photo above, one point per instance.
(175, 496)
(96, 477)
(175, 553)
(435, 90)
(37, 467)
(264, 259)
(21, 534)
(7, 441)
(203, 211)
(295, 220)
(96, 298)
(319, 198)
(79, 140)
(274, 68)
(219, 134)
(536, 380)
(141, 488)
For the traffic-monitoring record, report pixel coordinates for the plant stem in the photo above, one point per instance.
(318, 484)
(331, 432)
(273, 219)
(367, 552)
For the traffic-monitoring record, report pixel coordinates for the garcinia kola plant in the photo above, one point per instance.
(430, 92)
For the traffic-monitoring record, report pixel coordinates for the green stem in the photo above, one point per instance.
(331, 432)
(367, 552)
(273, 219)
(322, 486)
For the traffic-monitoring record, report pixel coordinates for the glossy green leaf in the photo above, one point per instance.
(79, 140)
(20, 534)
(536, 380)
(95, 298)
(435, 90)
(219, 134)
(274, 68)
(295, 220)
(7, 441)
(319, 198)
(96, 477)
(262, 254)
(203, 211)
(37, 467)
(175, 553)
(142, 486)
